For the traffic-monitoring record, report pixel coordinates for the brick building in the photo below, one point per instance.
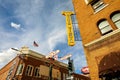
(30, 65)
(99, 24)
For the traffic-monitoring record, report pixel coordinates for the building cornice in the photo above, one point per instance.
(30, 53)
(102, 41)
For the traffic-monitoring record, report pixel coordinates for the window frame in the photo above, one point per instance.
(116, 21)
(29, 70)
(37, 72)
(10, 71)
(103, 27)
(98, 5)
(20, 70)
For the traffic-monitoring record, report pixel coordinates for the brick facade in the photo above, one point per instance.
(30, 65)
(96, 45)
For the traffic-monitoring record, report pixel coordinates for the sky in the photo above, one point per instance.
(25, 21)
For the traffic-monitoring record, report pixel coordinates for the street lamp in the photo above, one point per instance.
(15, 49)
(51, 57)
(20, 56)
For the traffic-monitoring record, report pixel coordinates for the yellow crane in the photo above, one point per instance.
(69, 27)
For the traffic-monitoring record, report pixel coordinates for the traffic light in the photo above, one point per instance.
(70, 65)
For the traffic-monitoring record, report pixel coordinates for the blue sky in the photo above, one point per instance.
(25, 21)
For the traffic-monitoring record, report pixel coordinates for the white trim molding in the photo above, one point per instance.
(106, 39)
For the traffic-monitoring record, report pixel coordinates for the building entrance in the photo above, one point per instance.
(109, 67)
(110, 76)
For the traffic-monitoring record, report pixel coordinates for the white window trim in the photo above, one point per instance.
(103, 27)
(88, 1)
(107, 36)
(21, 71)
(116, 21)
(38, 72)
(101, 8)
(29, 74)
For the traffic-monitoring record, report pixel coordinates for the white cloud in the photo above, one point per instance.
(56, 37)
(47, 29)
(6, 56)
(14, 25)
(7, 39)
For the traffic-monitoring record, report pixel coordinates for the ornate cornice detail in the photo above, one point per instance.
(104, 40)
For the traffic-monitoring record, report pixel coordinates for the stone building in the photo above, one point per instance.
(30, 65)
(99, 24)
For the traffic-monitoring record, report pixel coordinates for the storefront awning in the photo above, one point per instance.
(110, 63)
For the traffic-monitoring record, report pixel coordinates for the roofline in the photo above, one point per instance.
(9, 62)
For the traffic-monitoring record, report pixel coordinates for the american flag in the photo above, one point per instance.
(35, 44)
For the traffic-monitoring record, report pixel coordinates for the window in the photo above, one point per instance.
(20, 69)
(97, 5)
(29, 70)
(37, 72)
(104, 26)
(10, 71)
(116, 19)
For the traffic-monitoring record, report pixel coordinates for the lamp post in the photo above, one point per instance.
(20, 55)
(51, 57)
(15, 49)
(50, 71)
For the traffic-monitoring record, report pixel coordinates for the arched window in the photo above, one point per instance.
(116, 19)
(104, 26)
